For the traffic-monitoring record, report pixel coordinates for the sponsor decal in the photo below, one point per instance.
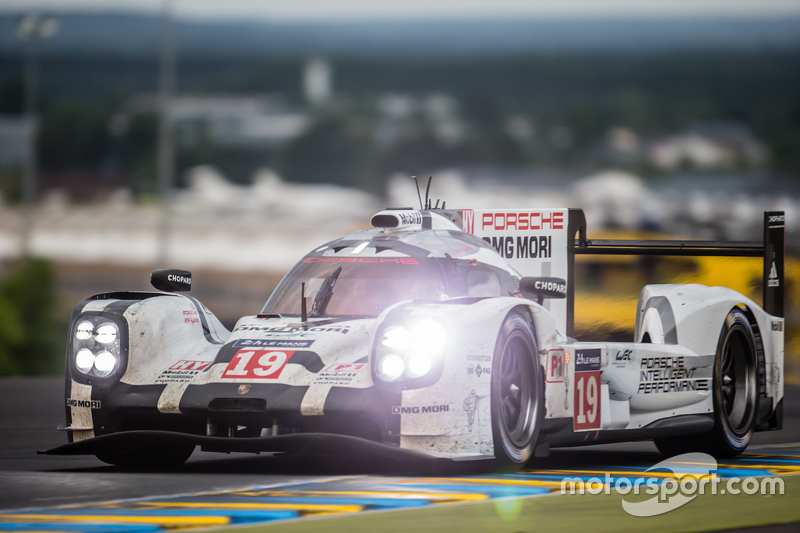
(527, 247)
(463, 250)
(190, 365)
(272, 343)
(478, 370)
(470, 405)
(398, 410)
(468, 220)
(91, 404)
(290, 330)
(257, 364)
(586, 395)
(409, 218)
(485, 358)
(190, 317)
(669, 374)
(179, 279)
(587, 360)
(773, 280)
(183, 371)
(622, 358)
(555, 366)
(550, 286)
(777, 325)
(340, 374)
(523, 221)
(774, 219)
(244, 389)
(376, 260)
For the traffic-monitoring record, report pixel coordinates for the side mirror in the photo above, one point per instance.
(540, 288)
(171, 280)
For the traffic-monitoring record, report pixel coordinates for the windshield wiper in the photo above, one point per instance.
(323, 296)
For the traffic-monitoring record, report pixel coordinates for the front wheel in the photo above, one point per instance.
(735, 394)
(517, 393)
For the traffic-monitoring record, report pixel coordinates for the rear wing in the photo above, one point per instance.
(771, 248)
(544, 242)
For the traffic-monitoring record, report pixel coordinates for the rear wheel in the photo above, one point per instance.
(517, 393)
(735, 394)
(149, 457)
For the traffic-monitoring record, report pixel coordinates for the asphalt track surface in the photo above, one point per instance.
(32, 485)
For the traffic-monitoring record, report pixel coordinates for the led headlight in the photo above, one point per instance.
(396, 338)
(84, 330)
(429, 338)
(84, 360)
(106, 333)
(104, 363)
(418, 365)
(390, 367)
(410, 351)
(96, 346)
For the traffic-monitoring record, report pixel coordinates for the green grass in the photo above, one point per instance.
(570, 513)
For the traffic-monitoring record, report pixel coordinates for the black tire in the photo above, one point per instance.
(517, 393)
(149, 458)
(735, 394)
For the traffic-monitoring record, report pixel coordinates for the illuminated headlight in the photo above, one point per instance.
(418, 365)
(104, 363)
(396, 338)
(84, 330)
(410, 351)
(96, 346)
(84, 360)
(390, 367)
(429, 338)
(106, 333)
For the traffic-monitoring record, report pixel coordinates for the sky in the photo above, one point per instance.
(349, 10)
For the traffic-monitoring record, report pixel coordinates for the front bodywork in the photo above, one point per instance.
(272, 376)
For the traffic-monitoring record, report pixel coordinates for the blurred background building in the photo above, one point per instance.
(293, 123)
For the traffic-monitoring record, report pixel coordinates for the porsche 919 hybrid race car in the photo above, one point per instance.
(435, 334)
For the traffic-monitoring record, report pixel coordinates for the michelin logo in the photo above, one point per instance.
(471, 407)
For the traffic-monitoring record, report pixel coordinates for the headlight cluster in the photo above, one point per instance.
(410, 351)
(96, 346)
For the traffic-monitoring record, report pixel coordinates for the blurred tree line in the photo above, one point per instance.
(31, 331)
(571, 100)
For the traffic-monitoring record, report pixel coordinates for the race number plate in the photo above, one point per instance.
(586, 400)
(257, 364)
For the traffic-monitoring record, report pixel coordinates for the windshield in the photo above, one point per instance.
(366, 286)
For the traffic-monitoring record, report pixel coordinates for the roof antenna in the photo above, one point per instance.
(427, 192)
(418, 194)
(437, 204)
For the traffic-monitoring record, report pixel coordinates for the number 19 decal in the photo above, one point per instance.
(587, 401)
(256, 364)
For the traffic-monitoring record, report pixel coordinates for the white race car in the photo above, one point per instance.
(437, 333)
